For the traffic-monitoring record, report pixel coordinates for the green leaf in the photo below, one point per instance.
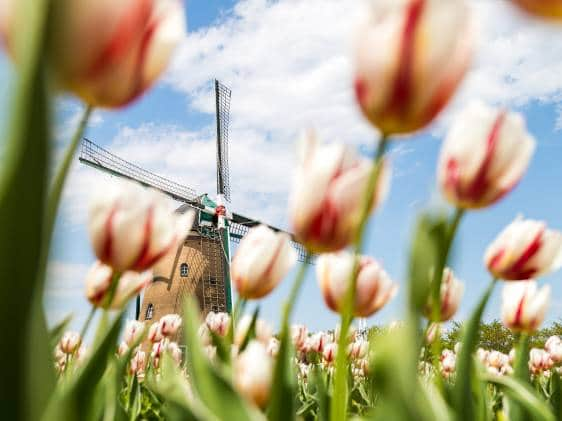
(322, 396)
(521, 372)
(462, 392)
(536, 408)
(58, 330)
(213, 389)
(251, 333)
(555, 395)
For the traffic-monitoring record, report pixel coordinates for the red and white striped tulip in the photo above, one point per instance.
(411, 57)
(482, 355)
(98, 283)
(497, 359)
(448, 361)
(433, 332)
(154, 333)
(253, 373)
(483, 157)
(358, 349)
(451, 293)
(317, 342)
(299, 333)
(134, 330)
(539, 361)
(132, 227)
(130, 285)
(549, 9)
(329, 352)
(374, 287)
(218, 323)
(70, 342)
(328, 194)
(524, 305)
(263, 259)
(175, 352)
(524, 249)
(263, 330)
(553, 346)
(138, 363)
(170, 324)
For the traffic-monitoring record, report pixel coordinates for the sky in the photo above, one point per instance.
(290, 64)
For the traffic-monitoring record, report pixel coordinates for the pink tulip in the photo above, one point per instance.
(132, 228)
(524, 306)
(170, 324)
(524, 249)
(262, 260)
(328, 194)
(484, 156)
(451, 294)
(374, 287)
(253, 374)
(448, 361)
(411, 57)
(219, 323)
(549, 9)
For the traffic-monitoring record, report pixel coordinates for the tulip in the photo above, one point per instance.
(484, 156)
(273, 347)
(204, 334)
(170, 324)
(98, 283)
(158, 348)
(175, 351)
(549, 9)
(329, 352)
(134, 331)
(497, 359)
(299, 333)
(351, 333)
(482, 355)
(317, 342)
(130, 285)
(263, 330)
(70, 342)
(374, 287)
(511, 355)
(451, 294)
(263, 259)
(448, 361)
(358, 349)
(328, 194)
(554, 348)
(253, 374)
(131, 227)
(218, 323)
(524, 306)
(122, 349)
(411, 57)
(154, 333)
(210, 352)
(138, 363)
(433, 332)
(524, 249)
(539, 361)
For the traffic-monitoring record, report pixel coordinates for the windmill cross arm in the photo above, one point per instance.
(240, 225)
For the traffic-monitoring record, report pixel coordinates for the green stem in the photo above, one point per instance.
(338, 410)
(238, 308)
(520, 372)
(87, 323)
(297, 284)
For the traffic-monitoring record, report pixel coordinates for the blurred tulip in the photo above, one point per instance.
(70, 342)
(484, 156)
(218, 323)
(122, 349)
(317, 342)
(98, 283)
(411, 57)
(524, 249)
(448, 361)
(131, 227)
(299, 333)
(263, 259)
(253, 374)
(539, 361)
(358, 349)
(433, 332)
(351, 333)
(524, 306)
(130, 285)
(273, 347)
(451, 293)
(374, 287)
(170, 324)
(133, 332)
(549, 9)
(138, 363)
(329, 352)
(553, 346)
(482, 355)
(264, 331)
(210, 352)
(511, 355)
(158, 348)
(154, 333)
(204, 334)
(328, 194)
(175, 352)
(497, 359)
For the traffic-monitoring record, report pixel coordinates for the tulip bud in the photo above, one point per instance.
(130, 285)
(131, 227)
(273, 347)
(549, 9)
(451, 294)
(554, 348)
(482, 355)
(219, 323)
(317, 342)
(98, 283)
(523, 306)
(253, 373)
(122, 349)
(524, 249)
(170, 324)
(497, 359)
(263, 259)
(299, 333)
(484, 156)
(433, 332)
(154, 333)
(133, 332)
(358, 349)
(374, 287)
(411, 57)
(138, 363)
(263, 330)
(329, 352)
(448, 361)
(70, 342)
(327, 200)
(539, 361)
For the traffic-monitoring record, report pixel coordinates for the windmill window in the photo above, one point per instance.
(213, 281)
(184, 270)
(149, 312)
(215, 309)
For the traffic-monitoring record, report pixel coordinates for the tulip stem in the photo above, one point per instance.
(291, 300)
(338, 409)
(520, 372)
(87, 322)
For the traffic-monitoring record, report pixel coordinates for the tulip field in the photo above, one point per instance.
(431, 365)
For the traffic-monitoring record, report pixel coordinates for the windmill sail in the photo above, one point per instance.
(222, 99)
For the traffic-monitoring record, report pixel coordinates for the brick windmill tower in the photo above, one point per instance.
(200, 266)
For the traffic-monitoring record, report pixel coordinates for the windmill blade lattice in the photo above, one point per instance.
(222, 97)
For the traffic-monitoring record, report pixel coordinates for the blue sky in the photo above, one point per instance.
(289, 65)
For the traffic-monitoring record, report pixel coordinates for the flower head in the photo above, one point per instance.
(170, 324)
(451, 294)
(253, 373)
(524, 305)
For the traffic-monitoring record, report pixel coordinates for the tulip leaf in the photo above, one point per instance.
(322, 396)
(555, 395)
(251, 333)
(58, 330)
(213, 389)
(462, 392)
(521, 372)
(536, 408)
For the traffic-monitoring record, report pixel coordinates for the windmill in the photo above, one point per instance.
(200, 266)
